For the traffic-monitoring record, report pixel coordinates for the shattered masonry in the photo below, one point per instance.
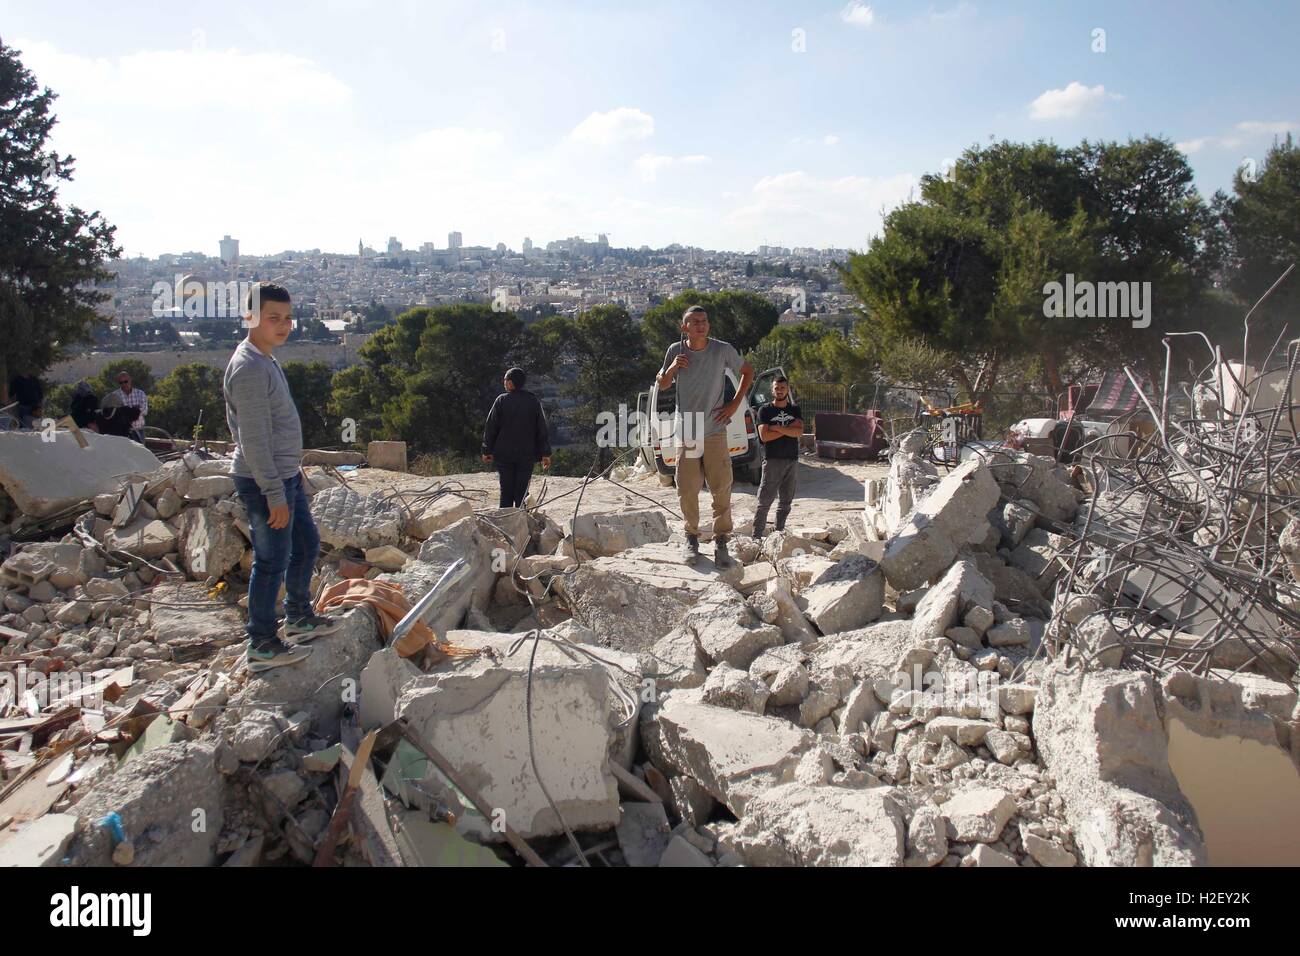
(1010, 663)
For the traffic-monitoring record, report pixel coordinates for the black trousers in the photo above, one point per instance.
(514, 478)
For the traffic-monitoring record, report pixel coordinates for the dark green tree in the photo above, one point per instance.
(180, 398)
(310, 385)
(1263, 223)
(50, 257)
(603, 349)
(735, 316)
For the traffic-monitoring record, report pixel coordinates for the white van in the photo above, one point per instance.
(659, 447)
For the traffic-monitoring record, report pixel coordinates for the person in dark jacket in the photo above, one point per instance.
(84, 407)
(515, 437)
(25, 388)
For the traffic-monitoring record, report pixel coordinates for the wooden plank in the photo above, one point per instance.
(343, 812)
(634, 784)
(120, 678)
(8, 633)
(33, 798)
(512, 837)
(369, 819)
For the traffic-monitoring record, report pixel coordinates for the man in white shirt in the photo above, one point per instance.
(133, 397)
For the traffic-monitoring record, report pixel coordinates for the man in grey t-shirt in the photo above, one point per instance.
(698, 371)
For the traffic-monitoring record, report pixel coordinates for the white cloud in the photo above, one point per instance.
(1069, 103)
(1251, 128)
(196, 78)
(1276, 128)
(649, 165)
(962, 9)
(623, 124)
(804, 209)
(858, 14)
(830, 139)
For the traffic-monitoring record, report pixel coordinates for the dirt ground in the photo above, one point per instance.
(827, 492)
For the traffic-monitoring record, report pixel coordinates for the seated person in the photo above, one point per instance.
(114, 417)
(84, 407)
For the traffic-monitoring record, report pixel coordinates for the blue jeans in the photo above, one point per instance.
(280, 556)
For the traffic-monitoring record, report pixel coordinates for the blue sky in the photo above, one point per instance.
(720, 124)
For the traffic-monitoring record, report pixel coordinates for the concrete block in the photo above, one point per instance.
(46, 477)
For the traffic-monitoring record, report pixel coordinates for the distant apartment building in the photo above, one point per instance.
(454, 240)
(394, 247)
(229, 250)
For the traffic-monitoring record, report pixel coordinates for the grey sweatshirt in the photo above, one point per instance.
(263, 421)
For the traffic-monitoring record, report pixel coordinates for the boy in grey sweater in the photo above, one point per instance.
(268, 452)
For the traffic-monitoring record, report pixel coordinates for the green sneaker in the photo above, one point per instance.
(265, 655)
(310, 627)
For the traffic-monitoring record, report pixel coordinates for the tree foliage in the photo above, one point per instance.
(179, 399)
(50, 257)
(739, 317)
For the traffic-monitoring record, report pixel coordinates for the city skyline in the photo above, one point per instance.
(722, 128)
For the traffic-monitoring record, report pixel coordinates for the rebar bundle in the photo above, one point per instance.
(1188, 555)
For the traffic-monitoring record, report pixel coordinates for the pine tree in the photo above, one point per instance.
(50, 257)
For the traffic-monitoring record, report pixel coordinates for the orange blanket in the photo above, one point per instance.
(390, 605)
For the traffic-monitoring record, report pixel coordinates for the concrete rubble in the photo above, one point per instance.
(952, 678)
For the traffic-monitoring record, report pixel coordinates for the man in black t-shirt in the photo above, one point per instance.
(780, 423)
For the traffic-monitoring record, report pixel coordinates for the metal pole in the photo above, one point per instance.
(458, 569)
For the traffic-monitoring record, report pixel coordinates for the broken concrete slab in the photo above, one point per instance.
(605, 535)
(387, 557)
(729, 686)
(327, 680)
(681, 852)
(1038, 479)
(474, 713)
(345, 519)
(928, 542)
(46, 477)
(961, 589)
(161, 797)
(209, 543)
(692, 804)
(795, 628)
(927, 837)
(978, 815)
(756, 577)
(798, 825)
(1102, 738)
(637, 597)
(643, 833)
(675, 660)
(143, 538)
(182, 615)
(1037, 556)
(734, 755)
(850, 595)
(426, 517)
(726, 629)
(39, 843)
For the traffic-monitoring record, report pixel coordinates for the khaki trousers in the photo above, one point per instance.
(715, 465)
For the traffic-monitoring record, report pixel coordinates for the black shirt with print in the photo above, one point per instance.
(785, 446)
